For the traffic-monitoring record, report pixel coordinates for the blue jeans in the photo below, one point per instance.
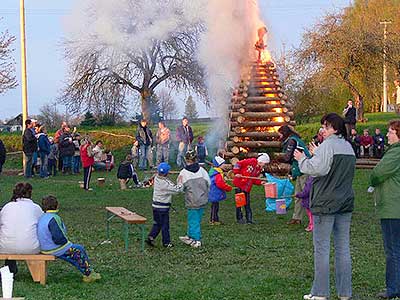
(28, 165)
(143, 153)
(77, 164)
(67, 163)
(52, 167)
(180, 159)
(161, 223)
(391, 244)
(324, 225)
(44, 172)
(194, 223)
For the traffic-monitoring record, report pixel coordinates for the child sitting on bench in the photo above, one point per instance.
(53, 240)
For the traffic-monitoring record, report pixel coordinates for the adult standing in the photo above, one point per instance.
(350, 117)
(332, 202)
(29, 147)
(145, 139)
(86, 152)
(18, 224)
(396, 95)
(184, 136)
(2, 155)
(385, 177)
(44, 151)
(162, 141)
(67, 150)
(57, 136)
(290, 141)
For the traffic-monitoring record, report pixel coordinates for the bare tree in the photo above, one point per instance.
(49, 116)
(7, 64)
(103, 68)
(167, 105)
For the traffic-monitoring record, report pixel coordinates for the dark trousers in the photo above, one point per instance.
(12, 265)
(214, 212)
(161, 223)
(28, 165)
(378, 151)
(52, 167)
(87, 172)
(249, 214)
(391, 245)
(60, 163)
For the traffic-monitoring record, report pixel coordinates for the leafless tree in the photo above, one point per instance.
(167, 105)
(49, 116)
(98, 72)
(7, 64)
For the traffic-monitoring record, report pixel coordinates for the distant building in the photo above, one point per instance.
(13, 125)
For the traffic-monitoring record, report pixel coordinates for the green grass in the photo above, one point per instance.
(269, 260)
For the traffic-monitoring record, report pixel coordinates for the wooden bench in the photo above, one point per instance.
(37, 264)
(129, 218)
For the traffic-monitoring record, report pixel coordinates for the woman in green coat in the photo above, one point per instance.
(385, 178)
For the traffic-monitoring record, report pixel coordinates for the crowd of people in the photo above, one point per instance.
(323, 171)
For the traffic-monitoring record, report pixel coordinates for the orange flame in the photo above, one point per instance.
(277, 109)
(278, 119)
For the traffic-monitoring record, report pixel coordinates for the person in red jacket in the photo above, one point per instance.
(366, 142)
(86, 151)
(251, 167)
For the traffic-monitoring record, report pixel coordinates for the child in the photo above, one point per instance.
(251, 167)
(126, 171)
(87, 157)
(135, 153)
(196, 185)
(109, 160)
(201, 150)
(304, 195)
(379, 143)
(53, 157)
(218, 189)
(162, 194)
(76, 160)
(53, 240)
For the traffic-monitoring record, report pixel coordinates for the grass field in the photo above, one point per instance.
(269, 260)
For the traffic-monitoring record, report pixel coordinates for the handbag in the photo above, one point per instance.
(240, 199)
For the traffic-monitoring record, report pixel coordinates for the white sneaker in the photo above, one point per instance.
(185, 239)
(312, 297)
(344, 298)
(195, 244)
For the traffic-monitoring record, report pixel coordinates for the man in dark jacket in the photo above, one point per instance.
(350, 117)
(2, 155)
(145, 139)
(29, 146)
(184, 136)
(67, 150)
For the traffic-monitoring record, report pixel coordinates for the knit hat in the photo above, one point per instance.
(263, 158)
(218, 161)
(163, 168)
(191, 155)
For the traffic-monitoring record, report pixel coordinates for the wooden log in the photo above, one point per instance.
(366, 167)
(366, 161)
(259, 115)
(258, 99)
(254, 134)
(260, 85)
(255, 106)
(262, 124)
(234, 160)
(235, 150)
(247, 154)
(256, 93)
(255, 144)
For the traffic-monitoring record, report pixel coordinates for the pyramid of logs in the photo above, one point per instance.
(258, 108)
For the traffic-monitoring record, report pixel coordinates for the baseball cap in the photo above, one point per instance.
(163, 168)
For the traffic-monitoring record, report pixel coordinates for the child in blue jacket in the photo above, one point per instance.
(53, 240)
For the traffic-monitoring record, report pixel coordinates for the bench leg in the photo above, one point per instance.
(126, 236)
(38, 270)
(143, 237)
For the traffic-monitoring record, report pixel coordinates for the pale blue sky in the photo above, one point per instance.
(286, 20)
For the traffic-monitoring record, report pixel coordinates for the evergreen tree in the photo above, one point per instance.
(89, 120)
(190, 109)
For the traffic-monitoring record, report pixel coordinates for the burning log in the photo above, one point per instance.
(265, 100)
(260, 115)
(256, 107)
(248, 154)
(264, 84)
(254, 144)
(262, 124)
(253, 134)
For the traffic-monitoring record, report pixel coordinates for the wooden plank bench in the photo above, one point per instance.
(37, 264)
(129, 218)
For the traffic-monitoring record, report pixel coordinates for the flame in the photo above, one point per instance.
(269, 95)
(268, 89)
(243, 130)
(277, 109)
(267, 129)
(265, 56)
(278, 119)
(244, 150)
(274, 102)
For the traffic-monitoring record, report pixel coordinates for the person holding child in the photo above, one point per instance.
(162, 198)
(196, 185)
(53, 240)
(218, 188)
(250, 167)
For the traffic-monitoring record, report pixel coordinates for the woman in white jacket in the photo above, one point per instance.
(18, 224)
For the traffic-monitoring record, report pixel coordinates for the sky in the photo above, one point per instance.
(45, 21)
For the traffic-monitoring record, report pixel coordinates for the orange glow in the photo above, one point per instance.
(244, 150)
(269, 95)
(274, 102)
(278, 119)
(277, 110)
(268, 89)
(265, 56)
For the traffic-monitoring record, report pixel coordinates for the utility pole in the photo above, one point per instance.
(385, 95)
(23, 70)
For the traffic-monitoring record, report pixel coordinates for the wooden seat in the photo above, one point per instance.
(129, 218)
(37, 264)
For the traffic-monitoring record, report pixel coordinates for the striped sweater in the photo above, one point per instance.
(163, 191)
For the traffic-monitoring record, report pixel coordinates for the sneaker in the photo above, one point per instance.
(169, 245)
(150, 242)
(309, 229)
(186, 240)
(91, 278)
(294, 222)
(312, 297)
(89, 190)
(195, 244)
(216, 223)
(211, 223)
(241, 221)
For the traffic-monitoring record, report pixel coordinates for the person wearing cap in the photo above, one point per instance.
(162, 197)
(250, 167)
(196, 185)
(290, 141)
(218, 188)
